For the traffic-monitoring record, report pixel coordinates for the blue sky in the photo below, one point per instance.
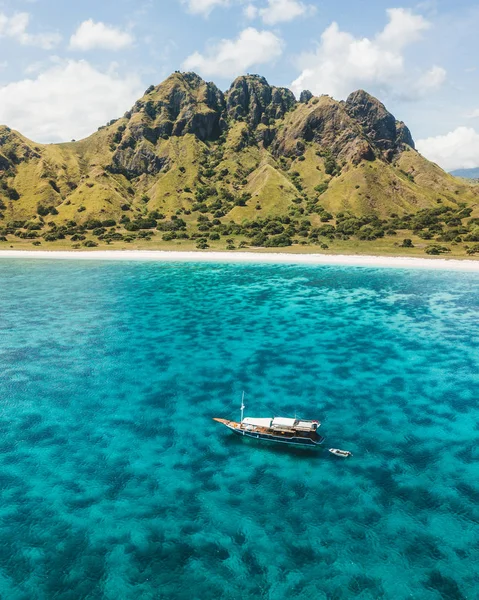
(68, 67)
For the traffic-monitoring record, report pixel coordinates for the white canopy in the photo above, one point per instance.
(257, 422)
(283, 422)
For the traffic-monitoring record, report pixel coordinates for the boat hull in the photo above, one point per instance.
(265, 436)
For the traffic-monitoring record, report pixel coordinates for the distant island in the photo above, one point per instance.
(192, 168)
(466, 173)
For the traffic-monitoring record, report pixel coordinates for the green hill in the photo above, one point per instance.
(252, 165)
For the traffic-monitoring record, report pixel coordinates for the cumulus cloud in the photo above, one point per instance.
(229, 58)
(343, 62)
(16, 28)
(458, 149)
(91, 35)
(280, 11)
(203, 7)
(70, 99)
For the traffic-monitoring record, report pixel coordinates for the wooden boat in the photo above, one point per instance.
(296, 432)
(338, 452)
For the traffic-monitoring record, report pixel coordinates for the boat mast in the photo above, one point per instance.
(242, 406)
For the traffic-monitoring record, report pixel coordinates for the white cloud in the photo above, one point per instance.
(229, 58)
(404, 28)
(342, 62)
(474, 114)
(280, 11)
(458, 149)
(203, 7)
(431, 80)
(91, 35)
(250, 11)
(70, 99)
(15, 27)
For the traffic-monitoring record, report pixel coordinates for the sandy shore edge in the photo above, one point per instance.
(248, 257)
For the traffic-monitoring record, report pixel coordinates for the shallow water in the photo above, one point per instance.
(116, 483)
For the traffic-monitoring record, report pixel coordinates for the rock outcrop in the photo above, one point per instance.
(377, 124)
(305, 96)
(251, 98)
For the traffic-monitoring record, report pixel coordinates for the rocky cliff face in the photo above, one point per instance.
(252, 98)
(377, 124)
(359, 129)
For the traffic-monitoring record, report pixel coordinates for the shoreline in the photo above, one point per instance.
(248, 257)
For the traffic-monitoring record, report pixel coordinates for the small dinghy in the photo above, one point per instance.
(343, 453)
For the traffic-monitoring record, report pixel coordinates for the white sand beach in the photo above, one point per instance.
(248, 257)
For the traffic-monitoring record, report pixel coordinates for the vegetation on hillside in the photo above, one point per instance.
(249, 168)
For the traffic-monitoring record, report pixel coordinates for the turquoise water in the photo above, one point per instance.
(116, 483)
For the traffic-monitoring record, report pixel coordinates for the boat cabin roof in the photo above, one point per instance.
(282, 423)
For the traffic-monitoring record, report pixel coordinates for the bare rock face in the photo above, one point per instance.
(182, 104)
(378, 124)
(4, 163)
(140, 159)
(251, 98)
(305, 96)
(403, 135)
(327, 124)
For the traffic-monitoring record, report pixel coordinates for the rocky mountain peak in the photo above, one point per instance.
(377, 123)
(305, 96)
(251, 98)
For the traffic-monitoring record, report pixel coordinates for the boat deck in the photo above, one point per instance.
(278, 433)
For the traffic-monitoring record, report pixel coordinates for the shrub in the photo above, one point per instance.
(108, 223)
(131, 227)
(407, 243)
(202, 244)
(43, 211)
(277, 241)
(92, 224)
(436, 249)
(214, 236)
(33, 226)
(77, 238)
(81, 209)
(322, 187)
(146, 223)
(90, 244)
(473, 236)
(259, 240)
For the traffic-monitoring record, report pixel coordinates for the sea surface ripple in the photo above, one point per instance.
(115, 482)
